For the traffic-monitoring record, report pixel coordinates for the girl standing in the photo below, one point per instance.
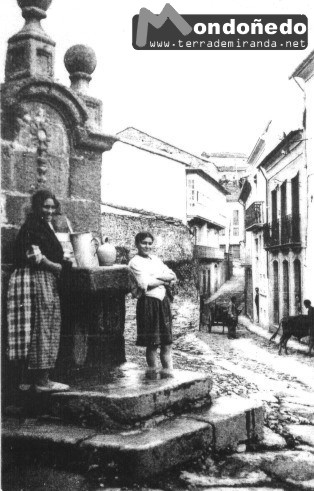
(153, 311)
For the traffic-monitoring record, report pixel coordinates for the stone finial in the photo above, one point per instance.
(80, 61)
(31, 52)
(34, 8)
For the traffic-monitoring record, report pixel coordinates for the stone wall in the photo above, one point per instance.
(173, 240)
(173, 244)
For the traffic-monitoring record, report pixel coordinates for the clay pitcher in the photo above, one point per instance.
(107, 253)
(85, 249)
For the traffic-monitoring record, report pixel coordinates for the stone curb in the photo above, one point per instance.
(134, 403)
(142, 452)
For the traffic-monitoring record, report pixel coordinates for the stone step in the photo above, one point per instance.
(136, 453)
(128, 396)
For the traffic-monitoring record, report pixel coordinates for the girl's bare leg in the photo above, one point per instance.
(166, 357)
(151, 357)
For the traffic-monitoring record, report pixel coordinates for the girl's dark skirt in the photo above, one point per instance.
(154, 322)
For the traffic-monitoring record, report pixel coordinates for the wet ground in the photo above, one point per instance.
(248, 366)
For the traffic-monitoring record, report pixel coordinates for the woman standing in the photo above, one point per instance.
(153, 311)
(34, 318)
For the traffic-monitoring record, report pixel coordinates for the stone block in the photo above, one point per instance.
(92, 326)
(84, 215)
(240, 480)
(85, 176)
(234, 420)
(304, 433)
(17, 207)
(272, 440)
(31, 429)
(128, 396)
(7, 166)
(135, 454)
(51, 444)
(141, 453)
(295, 468)
(8, 235)
(25, 170)
(101, 278)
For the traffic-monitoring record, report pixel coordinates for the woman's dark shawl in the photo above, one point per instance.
(36, 231)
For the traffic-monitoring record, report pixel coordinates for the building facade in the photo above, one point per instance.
(254, 257)
(206, 216)
(231, 167)
(146, 180)
(274, 195)
(304, 74)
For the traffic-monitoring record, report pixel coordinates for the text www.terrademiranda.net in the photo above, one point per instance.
(237, 44)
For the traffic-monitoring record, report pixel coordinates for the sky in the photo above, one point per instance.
(213, 101)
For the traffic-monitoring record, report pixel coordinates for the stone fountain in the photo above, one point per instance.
(113, 416)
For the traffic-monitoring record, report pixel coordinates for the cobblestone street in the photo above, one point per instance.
(248, 366)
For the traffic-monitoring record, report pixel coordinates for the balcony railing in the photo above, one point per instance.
(254, 216)
(246, 260)
(206, 252)
(212, 214)
(290, 229)
(271, 234)
(283, 232)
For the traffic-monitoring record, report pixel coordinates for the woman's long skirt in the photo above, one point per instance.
(154, 321)
(34, 318)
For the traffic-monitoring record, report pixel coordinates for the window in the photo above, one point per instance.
(274, 205)
(191, 192)
(235, 250)
(235, 217)
(236, 231)
(284, 199)
(295, 198)
(222, 232)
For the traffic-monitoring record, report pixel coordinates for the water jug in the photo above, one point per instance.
(85, 249)
(107, 253)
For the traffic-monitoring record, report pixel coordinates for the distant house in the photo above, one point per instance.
(206, 215)
(143, 174)
(231, 167)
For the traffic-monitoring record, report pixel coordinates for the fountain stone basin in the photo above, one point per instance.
(101, 278)
(93, 317)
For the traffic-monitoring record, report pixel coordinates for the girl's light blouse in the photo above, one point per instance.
(147, 269)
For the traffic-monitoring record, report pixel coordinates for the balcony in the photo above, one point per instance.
(290, 230)
(246, 260)
(254, 217)
(210, 214)
(271, 234)
(283, 233)
(206, 252)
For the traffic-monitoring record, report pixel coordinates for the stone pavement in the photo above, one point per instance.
(260, 331)
(247, 367)
(234, 286)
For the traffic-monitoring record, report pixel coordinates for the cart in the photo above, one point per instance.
(212, 313)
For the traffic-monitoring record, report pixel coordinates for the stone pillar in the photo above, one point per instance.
(51, 137)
